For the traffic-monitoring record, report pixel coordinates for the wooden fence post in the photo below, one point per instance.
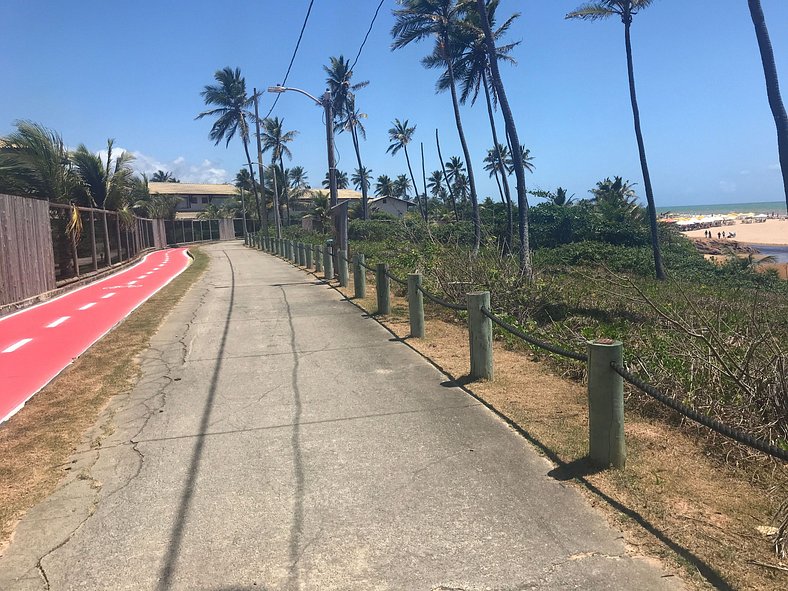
(606, 442)
(359, 277)
(383, 288)
(480, 335)
(343, 273)
(415, 306)
(328, 263)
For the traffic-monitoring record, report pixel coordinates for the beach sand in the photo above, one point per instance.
(772, 232)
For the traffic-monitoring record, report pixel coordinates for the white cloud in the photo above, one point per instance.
(775, 166)
(727, 187)
(206, 171)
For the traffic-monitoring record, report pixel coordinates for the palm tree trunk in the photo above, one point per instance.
(446, 177)
(477, 224)
(772, 88)
(364, 198)
(507, 194)
(413, 179)
(652, 211)
(277, 212)
(284, 188)
(424, 184)
(251, 172)
(526, 268)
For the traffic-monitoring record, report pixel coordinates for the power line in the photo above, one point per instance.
(371, 24)
(292, 59)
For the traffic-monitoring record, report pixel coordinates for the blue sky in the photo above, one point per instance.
(133, 71)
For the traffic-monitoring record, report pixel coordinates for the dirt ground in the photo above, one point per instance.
(35, 443)
(674, 502)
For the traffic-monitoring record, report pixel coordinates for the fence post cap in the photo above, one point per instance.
(477, 293)
(604, 342)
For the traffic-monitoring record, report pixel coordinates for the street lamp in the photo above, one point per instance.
(340, 220)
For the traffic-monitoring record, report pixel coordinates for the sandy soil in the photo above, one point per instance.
(773, 232)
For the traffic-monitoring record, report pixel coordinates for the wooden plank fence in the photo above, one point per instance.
(27, 265)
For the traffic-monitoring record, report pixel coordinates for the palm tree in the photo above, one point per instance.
(274, 138)
(321, 209)
(342, 182)
(344, 108)
(472, 69)
(400, 135)
(626, 10)
(435, 184)
(211, 212)
(525, 158)
(495, 165)
(362, 179)
(421, 19)
(34, 161)
(772, 88)
(617, 196)
(455, 174)
(526, 267)
(106, 185)
(231, 112)
(162, 176)
(384, 186)
(561, 198)
(401, 186)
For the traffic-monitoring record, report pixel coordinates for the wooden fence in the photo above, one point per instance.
(37, 255)
(27, 264)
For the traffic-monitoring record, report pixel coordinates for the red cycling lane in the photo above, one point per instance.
(37, 343)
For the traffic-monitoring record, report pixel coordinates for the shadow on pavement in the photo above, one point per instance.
(176, 536)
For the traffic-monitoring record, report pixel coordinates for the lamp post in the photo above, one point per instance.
(339, 220)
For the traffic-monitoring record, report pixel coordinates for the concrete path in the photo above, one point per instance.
(280, 439)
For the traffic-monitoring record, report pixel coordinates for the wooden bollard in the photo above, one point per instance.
(318, 258)
(328, 263)
(308, 254)
(383, 288)
(415, 306)
(606, 442)
(480, 335)
(359, 277)
(343, 272)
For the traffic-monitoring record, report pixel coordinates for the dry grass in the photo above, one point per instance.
(672, 501)
(36, 442)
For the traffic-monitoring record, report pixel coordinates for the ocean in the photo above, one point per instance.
(720, 208)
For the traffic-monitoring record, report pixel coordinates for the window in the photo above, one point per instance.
(206, 199)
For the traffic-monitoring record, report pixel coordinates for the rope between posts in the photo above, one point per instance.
(692, 414)
(534, 341)
(367, 267)
(442, 302)
(396, 279)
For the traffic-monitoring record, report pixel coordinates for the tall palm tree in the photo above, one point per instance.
(34, 161)
(626, 10)
(526, 267)
(472, 70)
(347, 117)
(362, 179)
(400, 135)
(274, 138)
(342, 181)
(772, 88)
(384, 186)
(438, 19)
(231, 112)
